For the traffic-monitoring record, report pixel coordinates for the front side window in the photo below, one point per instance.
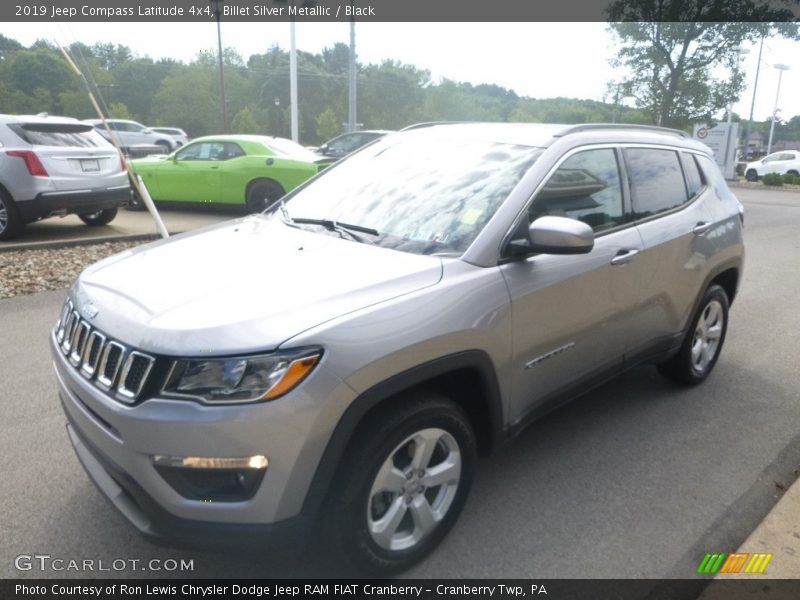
(585, 187)
(423, 192)
(656, 181)
(203, 151)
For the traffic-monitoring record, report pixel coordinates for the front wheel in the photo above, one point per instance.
(703, 343)
(403, 484)
(751, 175)
(101, 217)
(261, 194)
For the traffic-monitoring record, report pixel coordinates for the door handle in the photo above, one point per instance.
(702, 227)
(625, 255)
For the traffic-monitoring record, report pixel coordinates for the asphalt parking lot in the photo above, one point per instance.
(637, 479)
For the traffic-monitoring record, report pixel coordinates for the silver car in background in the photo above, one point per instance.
(131, 133)
(340, 360)
(179, 136)
(53, 166)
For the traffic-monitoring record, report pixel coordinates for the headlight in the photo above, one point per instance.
(240, 379)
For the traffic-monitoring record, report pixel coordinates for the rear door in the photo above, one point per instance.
(669, 205)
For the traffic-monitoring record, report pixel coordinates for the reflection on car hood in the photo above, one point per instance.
(242, 286)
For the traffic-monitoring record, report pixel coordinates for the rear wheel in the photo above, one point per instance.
(703, 343)
(403, 484)
(262, 193)
(101, 217)
(11, 223)
(135, 201)
(166, 145)
(751, 175)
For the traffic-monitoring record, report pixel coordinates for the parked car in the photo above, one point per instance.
(343, 358)
(131, 133)
(249, 170)
(346, 143)
(786, 161)
(54, 166)
(178, 135)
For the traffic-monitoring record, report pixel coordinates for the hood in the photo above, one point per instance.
(242, 286)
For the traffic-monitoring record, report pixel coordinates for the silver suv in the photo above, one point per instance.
(131, 133)
(352, 350)
(53, 166)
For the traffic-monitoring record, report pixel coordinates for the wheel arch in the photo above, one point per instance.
(468, 378)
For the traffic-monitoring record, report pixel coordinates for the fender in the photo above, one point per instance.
(475, 360)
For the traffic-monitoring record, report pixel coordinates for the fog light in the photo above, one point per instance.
(212, 479)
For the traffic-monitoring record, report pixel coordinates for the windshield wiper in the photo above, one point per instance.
(339, 227)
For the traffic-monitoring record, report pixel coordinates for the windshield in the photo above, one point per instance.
(422, 193)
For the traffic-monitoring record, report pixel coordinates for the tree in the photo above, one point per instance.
(674, 44)
(327, 124)
(244, 121)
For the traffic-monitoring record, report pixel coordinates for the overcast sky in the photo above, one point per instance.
(541, 60)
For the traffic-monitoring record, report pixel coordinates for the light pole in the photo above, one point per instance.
(780, 68)
(217, 15)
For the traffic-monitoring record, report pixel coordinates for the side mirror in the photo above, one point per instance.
(555, 235)
(323, 149)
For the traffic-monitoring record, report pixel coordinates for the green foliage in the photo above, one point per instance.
(671, 47)
(391, 95)
(118, 110)
(772, 179)
(244, 121)
(790, 179)
(327, 124)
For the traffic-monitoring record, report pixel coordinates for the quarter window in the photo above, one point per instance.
(656, 180)
(585, 187)
(694, 180)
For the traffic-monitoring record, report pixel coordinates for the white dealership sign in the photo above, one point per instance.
(722, 140)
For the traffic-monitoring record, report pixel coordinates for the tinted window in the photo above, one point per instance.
(656, 181)
(65, 135)
(694, 180)
(585, 187)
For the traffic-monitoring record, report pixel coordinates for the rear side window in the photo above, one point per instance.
(694, 180)
(656, 180)
(585, 187)
(77, 135)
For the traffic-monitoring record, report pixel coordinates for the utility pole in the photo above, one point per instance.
(775, 110)
(749, 126)
(218, 14)
(293, 80)
(351, 104)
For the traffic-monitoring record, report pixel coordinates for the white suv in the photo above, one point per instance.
(53, 166)
(787, 161)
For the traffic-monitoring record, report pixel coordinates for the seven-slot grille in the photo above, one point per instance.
(112, 366)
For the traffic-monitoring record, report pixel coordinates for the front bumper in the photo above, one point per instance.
(78, 202)
(116, 444)
(161, 527)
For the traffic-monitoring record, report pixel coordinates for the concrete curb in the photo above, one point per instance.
(132, 237)
(742, 185)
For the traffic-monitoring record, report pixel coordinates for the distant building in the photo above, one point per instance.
(785, 145)
(756, 144)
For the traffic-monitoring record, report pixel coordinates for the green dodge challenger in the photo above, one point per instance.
(250, 170)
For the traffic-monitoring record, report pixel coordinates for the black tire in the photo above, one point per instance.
(135, 201)
(11, 223)
(262, 193)
(693, 364)
(101, 217)
(165, 144)
(391, 435)
(751, 175)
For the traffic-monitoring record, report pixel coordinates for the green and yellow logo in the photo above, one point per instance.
(736, 562)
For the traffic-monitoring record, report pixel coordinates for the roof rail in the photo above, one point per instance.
(593, 126)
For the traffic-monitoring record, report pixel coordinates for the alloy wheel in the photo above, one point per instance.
(707, 334)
